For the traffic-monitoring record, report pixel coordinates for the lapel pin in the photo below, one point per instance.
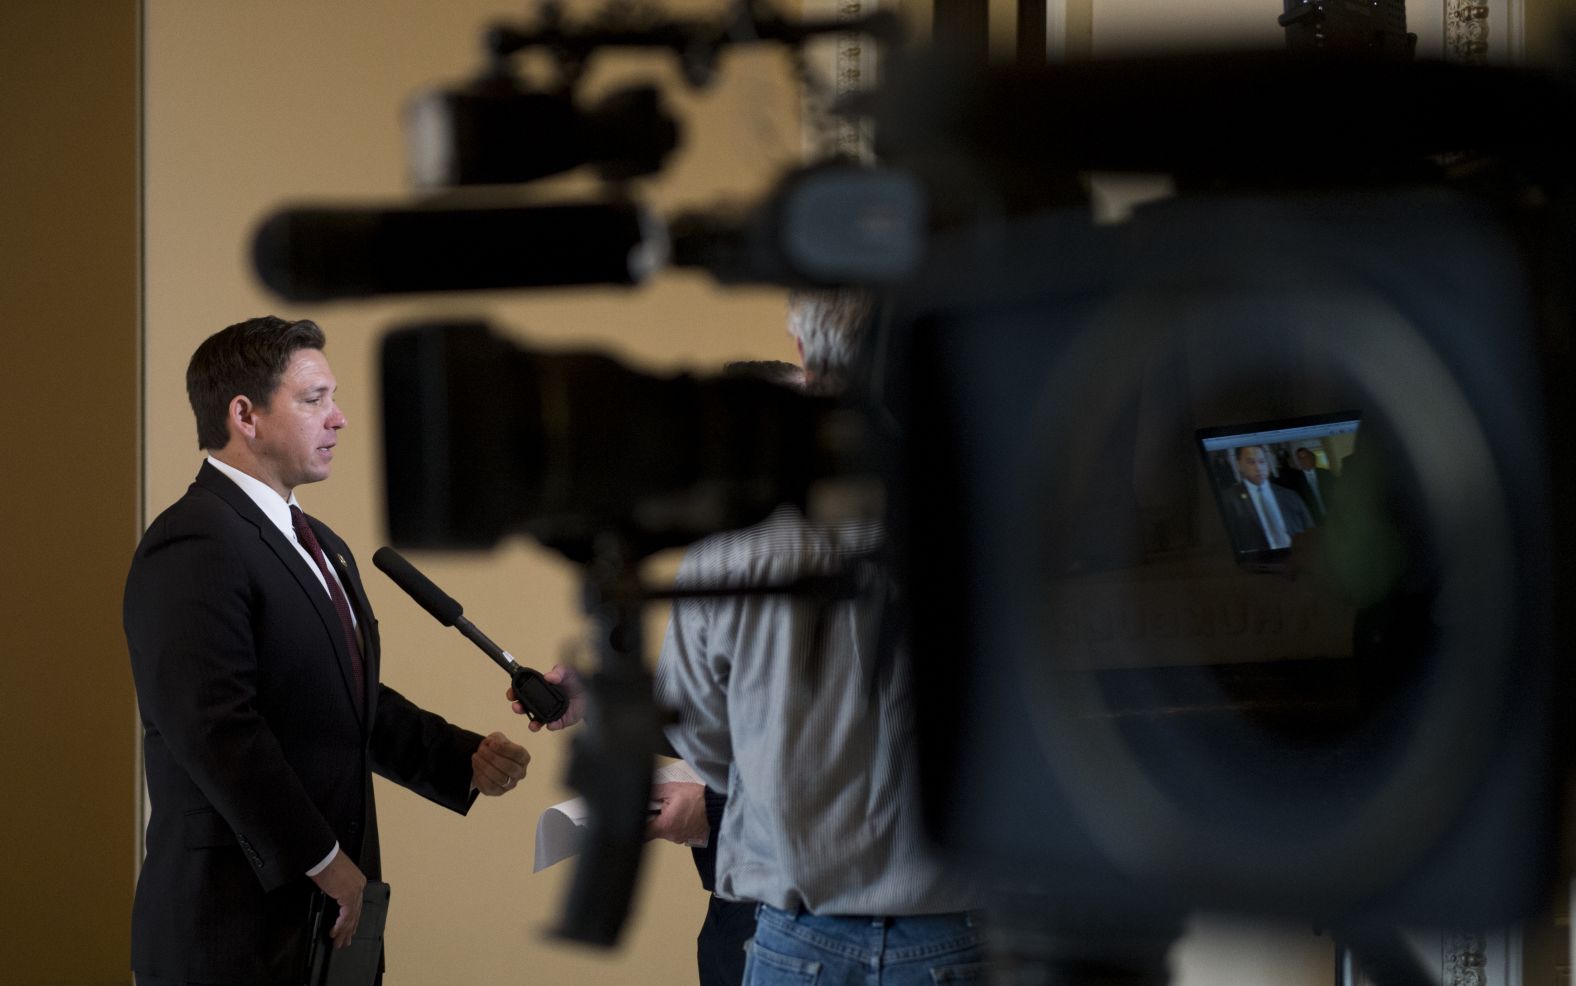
(342, 562)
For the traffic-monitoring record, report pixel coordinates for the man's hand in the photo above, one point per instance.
(342, 880)
(498, 765)
(567, 679)
(682, 817)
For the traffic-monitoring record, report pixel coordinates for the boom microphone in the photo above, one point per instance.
(320, 253)
(542, 700)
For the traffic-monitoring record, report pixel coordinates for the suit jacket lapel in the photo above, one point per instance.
(215, 481)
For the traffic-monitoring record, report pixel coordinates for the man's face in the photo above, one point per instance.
(298, 429)
(1253, 465)
(1304, 459)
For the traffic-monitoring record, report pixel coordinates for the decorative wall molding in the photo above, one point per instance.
(856, 71)
(1466, 959)
(1468, 32)
(838, 67)
(1480, 32)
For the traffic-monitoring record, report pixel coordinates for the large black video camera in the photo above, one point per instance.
(1153, 670)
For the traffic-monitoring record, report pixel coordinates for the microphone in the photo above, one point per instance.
(543, 701)
(313, 253)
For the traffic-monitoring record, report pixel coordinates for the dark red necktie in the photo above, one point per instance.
(341, 605)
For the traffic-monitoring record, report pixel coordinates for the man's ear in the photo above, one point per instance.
(243, 416)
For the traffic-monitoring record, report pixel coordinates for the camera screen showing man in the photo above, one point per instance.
(1274, 480)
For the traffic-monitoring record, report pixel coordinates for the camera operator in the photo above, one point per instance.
(690, 814)
(787, 705)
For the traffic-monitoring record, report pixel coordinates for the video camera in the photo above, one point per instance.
(832, 222)
(1124, 703)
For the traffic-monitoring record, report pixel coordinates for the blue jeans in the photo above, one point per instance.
(804, 949)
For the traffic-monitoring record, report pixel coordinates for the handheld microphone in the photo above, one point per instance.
(312, 253)
(543, 701)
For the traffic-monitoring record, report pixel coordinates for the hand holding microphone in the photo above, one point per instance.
(541, 700)
(568, 681)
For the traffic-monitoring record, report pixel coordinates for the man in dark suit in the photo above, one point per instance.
(255, 656)
(1261, 515)
(1313, 485)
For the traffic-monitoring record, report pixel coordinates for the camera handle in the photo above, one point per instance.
(613, 750)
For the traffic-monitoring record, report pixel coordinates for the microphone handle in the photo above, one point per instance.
(498, 654)
(543, 701)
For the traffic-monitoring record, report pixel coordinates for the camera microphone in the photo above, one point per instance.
(542, 700)
(321, 253)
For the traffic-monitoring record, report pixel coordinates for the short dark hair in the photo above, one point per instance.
(246, 359)
(1243, 449)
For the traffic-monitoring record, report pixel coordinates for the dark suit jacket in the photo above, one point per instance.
(257, 757)
(1247, 534)
(1294, 480)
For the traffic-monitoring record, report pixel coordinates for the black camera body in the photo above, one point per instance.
(1369, 734)
(1368, 731)
(485, 438)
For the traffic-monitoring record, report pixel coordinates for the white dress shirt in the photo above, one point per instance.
(1269, 515)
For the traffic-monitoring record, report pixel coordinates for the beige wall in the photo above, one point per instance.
(68, 346)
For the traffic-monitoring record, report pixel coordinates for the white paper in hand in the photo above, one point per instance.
(562, 827)
(558, 833)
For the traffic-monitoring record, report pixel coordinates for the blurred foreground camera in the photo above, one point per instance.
(1228, 540)
(832, 223)
(495, 130)
(487, 438)
(1188, 682)
(473, 145)
(1353, 724)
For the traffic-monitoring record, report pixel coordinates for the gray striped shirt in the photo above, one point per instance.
(782, 702)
